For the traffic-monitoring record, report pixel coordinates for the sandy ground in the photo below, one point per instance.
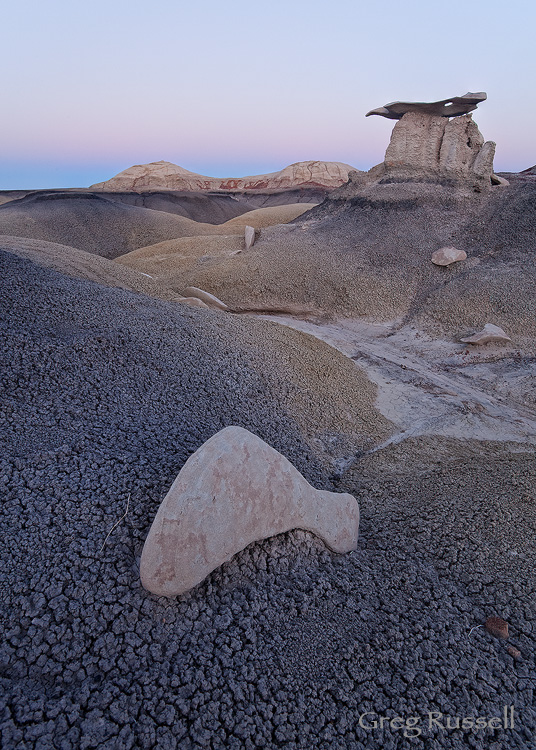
(429, 386)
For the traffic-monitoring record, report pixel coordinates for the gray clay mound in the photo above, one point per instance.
(105, 395)
(213, 207)
(202, 207)
(369, 255)
(92, 223)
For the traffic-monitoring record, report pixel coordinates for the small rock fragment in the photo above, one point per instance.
(500, 181)
(193, 302)
(234, 490)
(497, 627)
(249, 237)
(514, 652)
(209, 299)
(489, 334)
(447, 255)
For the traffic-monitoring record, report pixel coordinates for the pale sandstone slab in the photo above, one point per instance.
(500, 181)
(249, 236)
(456, 105)
(234, 490)
(193, 302)
(489, 334)
(447, 255)
(209, 299)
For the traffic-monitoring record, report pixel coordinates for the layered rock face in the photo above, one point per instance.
(434, 148)
(163, 175)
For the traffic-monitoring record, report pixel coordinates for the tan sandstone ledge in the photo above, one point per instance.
(234, 490)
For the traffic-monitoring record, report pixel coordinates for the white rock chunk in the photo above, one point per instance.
(193, 302)
(234, 490)
(209, 299)
(498, 180)
(249, 237)
(447, 255)
(489, 334)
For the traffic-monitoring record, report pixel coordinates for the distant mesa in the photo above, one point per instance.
(163, 175)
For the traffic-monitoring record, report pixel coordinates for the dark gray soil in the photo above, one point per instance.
(214, 207)
(90, 222)
(105, 393)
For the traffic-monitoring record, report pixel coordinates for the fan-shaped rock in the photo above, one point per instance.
(489, 334)
(209, 299)
(235, 490)
(447, 255)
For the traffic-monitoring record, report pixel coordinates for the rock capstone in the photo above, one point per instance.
(235, 490)
(453, 107)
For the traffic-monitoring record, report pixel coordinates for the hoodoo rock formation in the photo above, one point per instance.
(163, 175)
(427, 146)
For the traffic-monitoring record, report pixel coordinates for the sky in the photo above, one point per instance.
(237, 88)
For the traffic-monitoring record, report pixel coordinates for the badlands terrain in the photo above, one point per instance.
(341, 348)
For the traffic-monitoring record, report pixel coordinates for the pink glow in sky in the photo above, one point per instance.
(243, 88)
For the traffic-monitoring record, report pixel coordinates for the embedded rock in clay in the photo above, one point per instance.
(209, 299)
(489, 334)
(235, 490)
(447, 255)
(249, 236)
(498, 180)
(193, 302)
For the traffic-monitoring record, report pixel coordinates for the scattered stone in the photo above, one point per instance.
(234, 490)
(456, 105)
(497, 627)
(193, 302)
(514, 652)
(447, 255)
(497, 180)
(489, 334)
(209, 299)
(249, 236)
